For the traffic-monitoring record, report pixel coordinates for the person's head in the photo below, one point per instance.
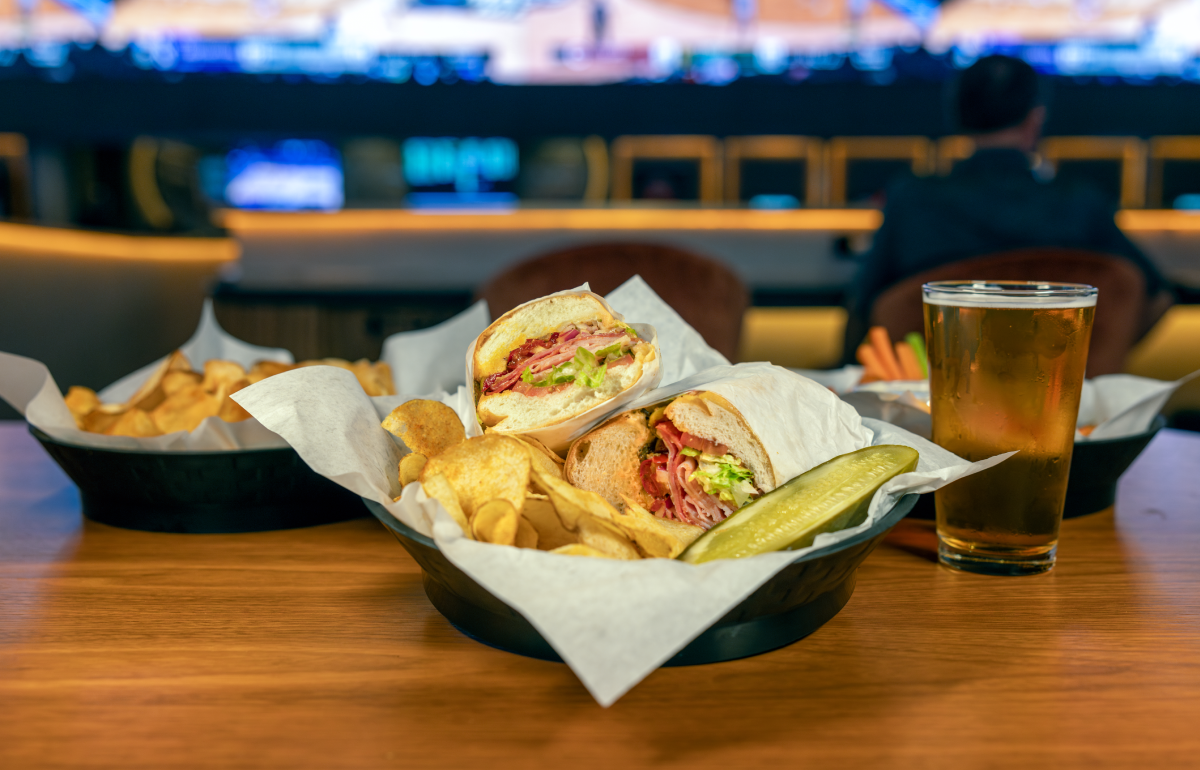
(997, 101)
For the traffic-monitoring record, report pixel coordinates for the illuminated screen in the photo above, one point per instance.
(287, 176)
(602, 41)
(450, 171)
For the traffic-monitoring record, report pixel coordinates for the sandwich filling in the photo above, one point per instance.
(577, 355)
(692, 479)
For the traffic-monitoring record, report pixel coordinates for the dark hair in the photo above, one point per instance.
(994, 93)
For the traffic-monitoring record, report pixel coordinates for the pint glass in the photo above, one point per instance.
(1006, 369)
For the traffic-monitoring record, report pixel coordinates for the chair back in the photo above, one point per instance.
(706, 293)
(1120, 305)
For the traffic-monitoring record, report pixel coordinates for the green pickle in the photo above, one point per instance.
(832, 496)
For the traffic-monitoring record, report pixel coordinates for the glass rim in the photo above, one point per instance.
(1011, 289)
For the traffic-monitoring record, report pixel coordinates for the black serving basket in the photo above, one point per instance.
(791, 605)
(1096, 467)
(242, 490)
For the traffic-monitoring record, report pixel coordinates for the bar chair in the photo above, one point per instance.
(1129, 153)
(707, 294)
(705, 151)
(1175, 151)
(916, 151)
(804, 149)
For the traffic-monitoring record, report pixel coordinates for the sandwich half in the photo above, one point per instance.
(553, 359)
(692, 458)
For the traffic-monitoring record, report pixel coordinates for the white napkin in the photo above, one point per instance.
(613, 622)
(684, 351)
(427, 360)
(417, 360)
(841, 380)
(1122, 405)
(1119, 405)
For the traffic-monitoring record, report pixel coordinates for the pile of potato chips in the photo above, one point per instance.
(176, 397)
(509, 490)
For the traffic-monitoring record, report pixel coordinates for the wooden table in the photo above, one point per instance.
(317, 648)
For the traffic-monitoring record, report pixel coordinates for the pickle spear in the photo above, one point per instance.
(832, 496)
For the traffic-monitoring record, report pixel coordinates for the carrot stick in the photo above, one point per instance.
(908, 361)
(879, 339)
(870, 361)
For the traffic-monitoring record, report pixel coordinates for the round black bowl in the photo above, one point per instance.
(247, 490)
(791, 605)
(1096, 467)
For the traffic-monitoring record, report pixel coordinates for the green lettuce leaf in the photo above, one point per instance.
(591, 370)
(560, 375)
(725, 477)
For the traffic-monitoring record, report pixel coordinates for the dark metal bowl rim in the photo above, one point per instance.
(47, 439)
(881, 525)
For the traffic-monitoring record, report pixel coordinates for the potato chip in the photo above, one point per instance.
(594, 533)
(102, 417)
(134, 422)
(410, 467)
(261, 370)
(539, 512)
(427, 427)
(375, 379)
(577, 549)
(230, 410)
(150, 393)
(527, 536)
(496, 521)
(194, 397)
(81, 400)
(218, 373)
(483, 468)
(587, 514)
(655, 537)
(185, 409)
(438, 488)
(542, 457)
(570, 502)
(178, 379)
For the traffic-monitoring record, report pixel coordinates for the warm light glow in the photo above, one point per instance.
(663, 218)
(1152, 220)
(31, 239)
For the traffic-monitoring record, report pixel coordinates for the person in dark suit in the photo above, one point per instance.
(991, 202)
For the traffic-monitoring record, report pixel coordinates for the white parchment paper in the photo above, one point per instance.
(426, 361)
(613, 622)
(417, 359)
(1119, 405)
(1122, 405)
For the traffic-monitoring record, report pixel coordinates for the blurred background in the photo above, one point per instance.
(335, 171)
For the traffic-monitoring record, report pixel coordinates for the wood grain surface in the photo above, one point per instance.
(317, 648)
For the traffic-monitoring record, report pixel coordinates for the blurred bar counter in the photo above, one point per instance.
(94, 306)
(786, 257)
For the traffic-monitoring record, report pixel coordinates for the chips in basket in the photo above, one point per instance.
(509, 490)
(175, 397)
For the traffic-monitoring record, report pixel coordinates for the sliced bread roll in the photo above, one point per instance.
(511, 411)
(710, 416)
(608, 460)
(531, 321)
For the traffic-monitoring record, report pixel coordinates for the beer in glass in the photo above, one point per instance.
(1006, 369)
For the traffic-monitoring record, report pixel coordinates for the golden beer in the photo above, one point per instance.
(1006, 370)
